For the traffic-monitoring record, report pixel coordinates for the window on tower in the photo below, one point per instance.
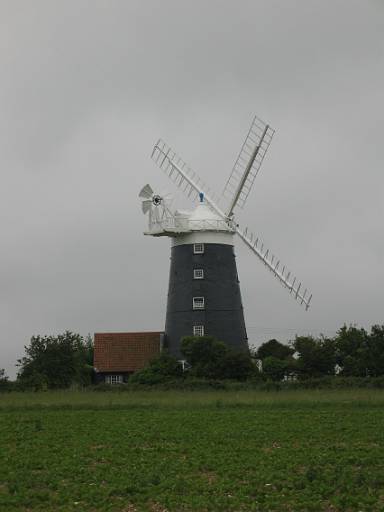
(198, 302)
(198, 273)
(198, 248)
(198, 330)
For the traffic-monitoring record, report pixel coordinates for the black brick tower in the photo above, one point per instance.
(204, 294)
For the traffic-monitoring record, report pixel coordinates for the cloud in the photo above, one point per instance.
(87, 88)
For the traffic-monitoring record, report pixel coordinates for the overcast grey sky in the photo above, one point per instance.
(86, 89)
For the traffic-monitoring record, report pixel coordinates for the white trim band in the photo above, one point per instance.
(204, 237)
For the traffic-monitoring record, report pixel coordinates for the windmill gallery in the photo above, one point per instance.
(204, 294)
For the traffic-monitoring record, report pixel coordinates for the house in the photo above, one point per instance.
(119, 354)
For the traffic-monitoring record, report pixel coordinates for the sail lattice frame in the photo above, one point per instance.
(257, 141)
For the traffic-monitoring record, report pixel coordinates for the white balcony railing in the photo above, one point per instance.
(185, 225)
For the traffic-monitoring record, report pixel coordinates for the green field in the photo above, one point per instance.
(173, 451)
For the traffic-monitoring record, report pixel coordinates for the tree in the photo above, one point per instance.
(351, 345)
(277, 360)
(375, 359)
(84, 361)
(274, 368)
(4, 381)
(316, 357)
(274, 348)
(214, 359)
(56, 362)
(359, 353)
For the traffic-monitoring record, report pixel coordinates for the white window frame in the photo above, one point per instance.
(198, 330)
(198, 248)
(114, 379)
(198, 273)
(198, 303)
(184, 365)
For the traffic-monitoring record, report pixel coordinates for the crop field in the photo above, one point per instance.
(192, 451)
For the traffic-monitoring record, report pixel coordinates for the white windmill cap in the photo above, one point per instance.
(203, 218)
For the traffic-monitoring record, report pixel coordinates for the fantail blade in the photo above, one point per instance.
(146, 192)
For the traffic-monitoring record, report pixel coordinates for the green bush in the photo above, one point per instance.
(162, 368)
(213, 359)
(274, 368)
(236, 366)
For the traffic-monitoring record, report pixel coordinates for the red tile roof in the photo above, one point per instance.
(125, 351)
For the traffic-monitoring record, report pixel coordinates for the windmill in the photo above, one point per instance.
(204, 293)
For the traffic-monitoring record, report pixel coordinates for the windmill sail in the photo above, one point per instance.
(248, 163)
(191, 185)
(181, 174)
(275, 266)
